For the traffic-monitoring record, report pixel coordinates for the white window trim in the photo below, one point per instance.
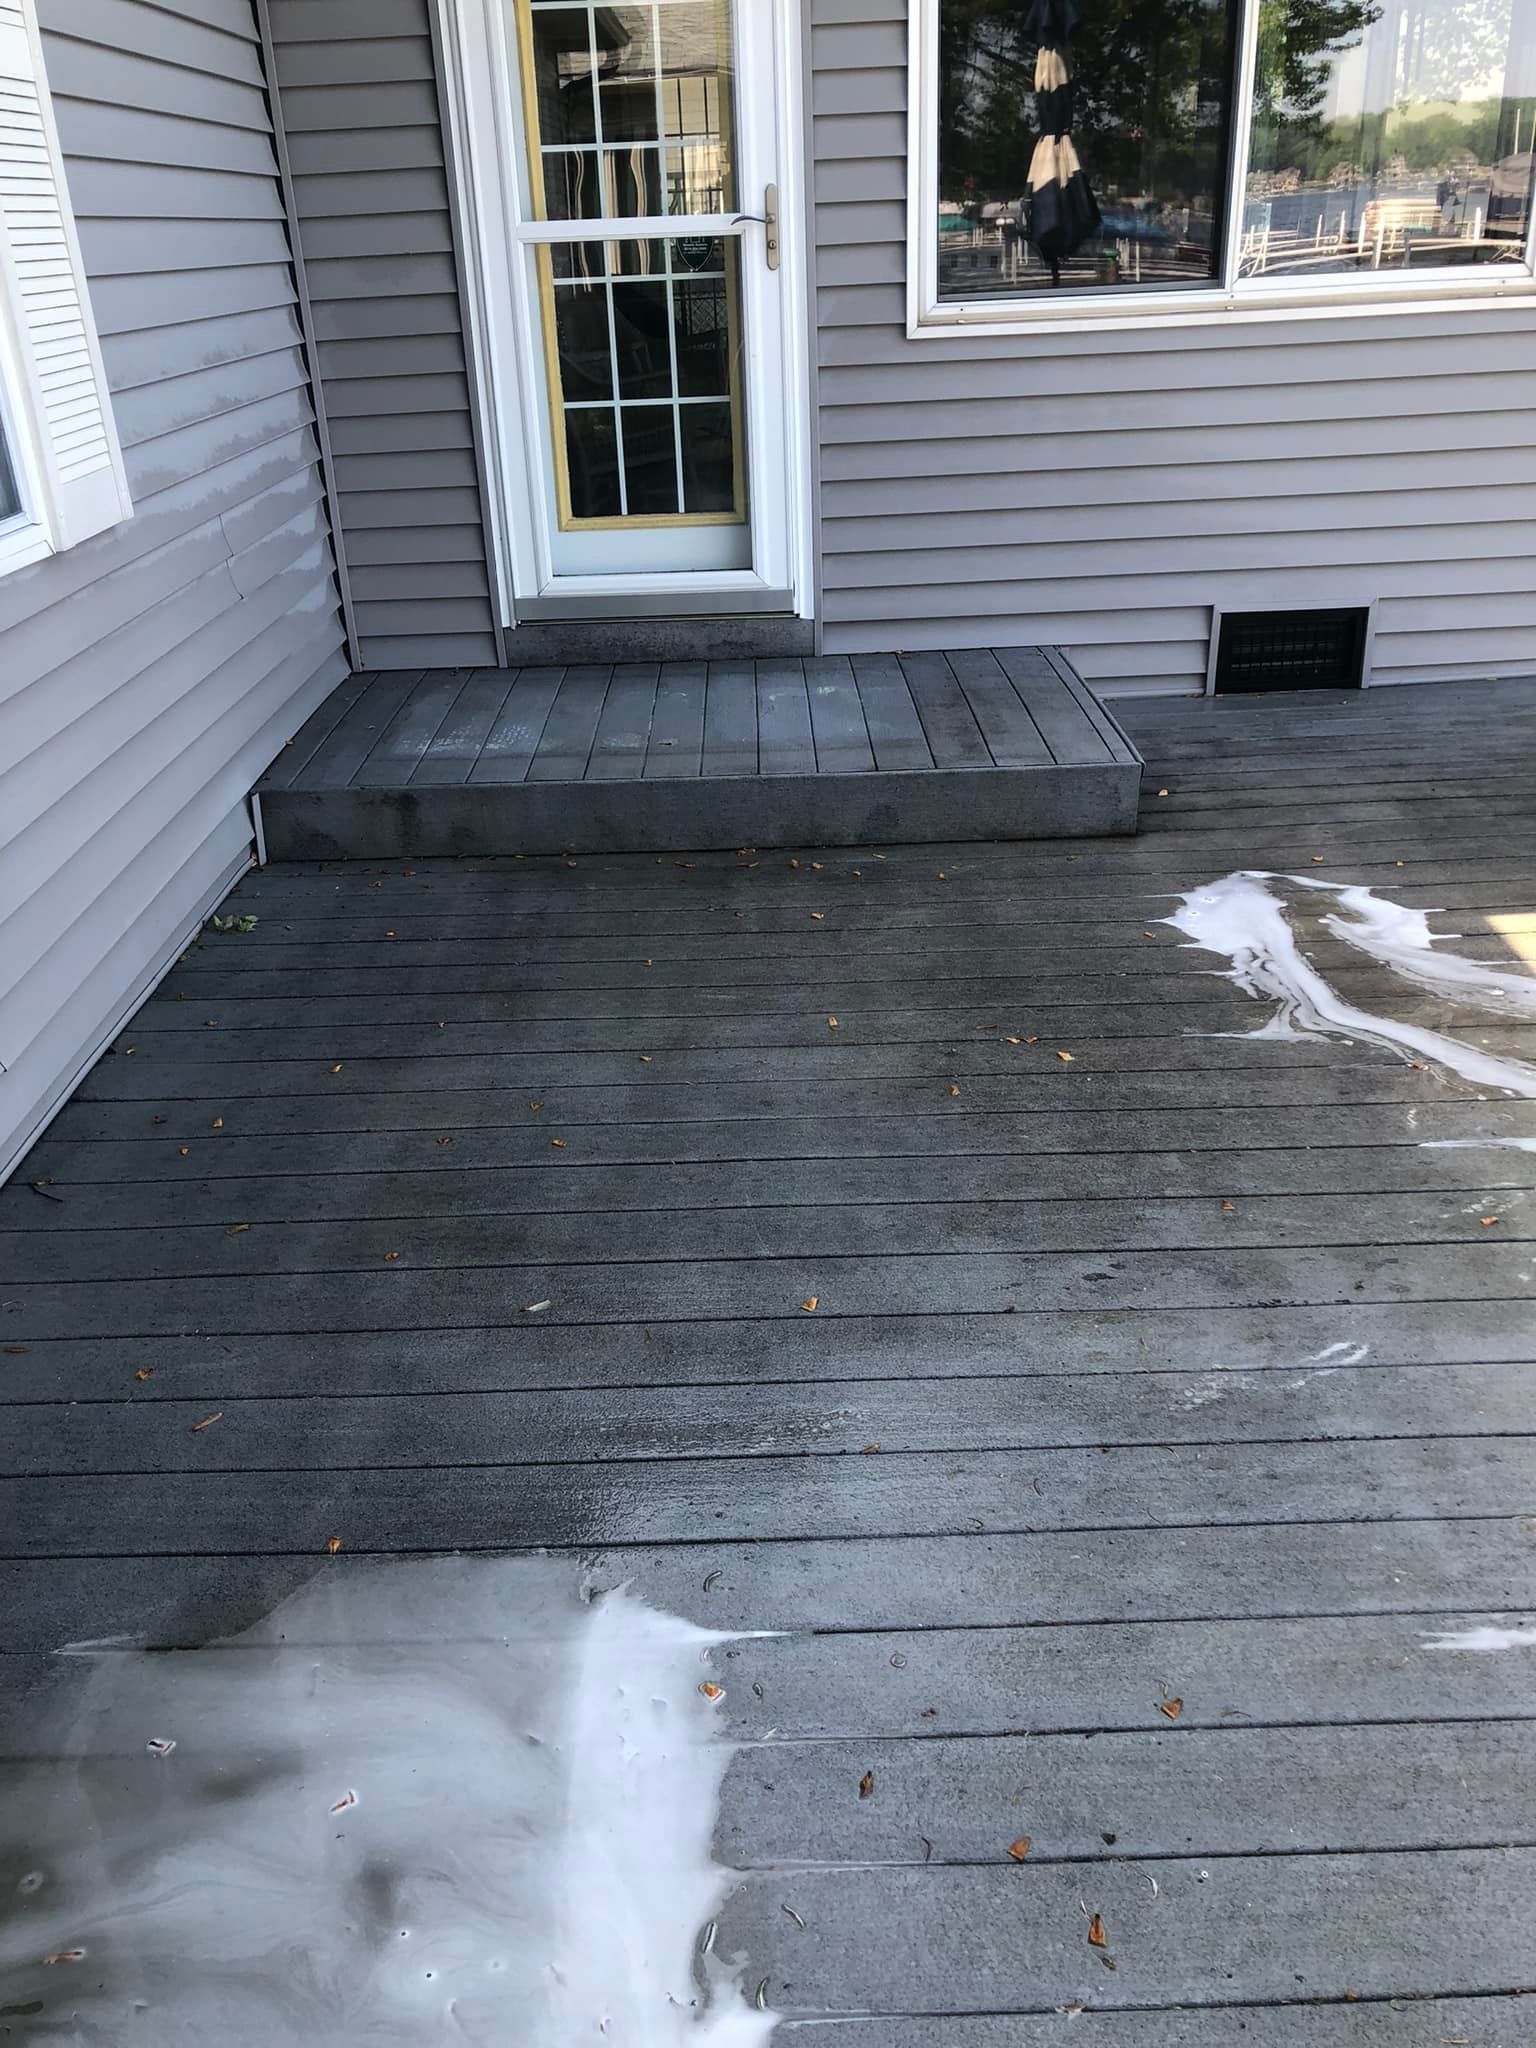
(1214, 305)
(55, 406)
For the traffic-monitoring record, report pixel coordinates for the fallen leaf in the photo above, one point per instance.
(809, 1303)
(816, 864)
(942, 876)
(929, 1714)
(207, 1422)
(1229, 1205)
(869, 1449)
(1032, 1041)
(333, 1544)
(338, 1067)
(1064, 1056)
(831, 1023)
(794, 863)
(1171, 1708)
(390, 1255)
(645, 963)
(1317, 859)
(445, 1141)
(217, 1124)
(347, 1799)
(1096, 1933)
(535, 1308)
(1162, 792)
(818, 915)
(235, 1229)
(645, 1059)
(21, 1350)
(1486, 1220)
(558, 1143)
(953, 1089)
(183, 1150)
(866, 1784)
(1020, 1849)
(712, 1692)
(535, 1105)
(1420, 1066)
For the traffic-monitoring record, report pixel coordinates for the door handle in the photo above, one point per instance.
(768, 221)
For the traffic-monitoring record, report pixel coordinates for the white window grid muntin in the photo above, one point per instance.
(617, 404)
(1229, 297)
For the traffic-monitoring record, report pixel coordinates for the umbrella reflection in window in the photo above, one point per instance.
(1063, 213)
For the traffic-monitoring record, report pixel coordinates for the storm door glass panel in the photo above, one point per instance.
(644, 336)
(1390, 135)
(1083, 144)
(630, 108)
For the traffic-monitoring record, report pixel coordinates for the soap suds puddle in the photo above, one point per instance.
(1244, 916)
(434, 1799)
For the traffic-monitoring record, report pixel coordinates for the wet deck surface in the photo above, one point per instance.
(1157, 1411)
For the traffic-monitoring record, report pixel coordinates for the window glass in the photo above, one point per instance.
(10, 497)
(1390, 135)
(632, 106)
(1082, 146)
(648, 364)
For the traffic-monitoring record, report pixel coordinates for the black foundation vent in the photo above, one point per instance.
(1291, 650)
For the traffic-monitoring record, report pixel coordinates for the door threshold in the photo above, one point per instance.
(752, 598)
(728, 638)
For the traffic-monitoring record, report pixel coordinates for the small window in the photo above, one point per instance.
(61, 467)
(1135, 156)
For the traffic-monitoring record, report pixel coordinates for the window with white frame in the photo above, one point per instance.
(1163, 156)
(61, 466)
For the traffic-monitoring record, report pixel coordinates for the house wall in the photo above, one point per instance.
(148, 675)
(1104, 491)
(365, 142)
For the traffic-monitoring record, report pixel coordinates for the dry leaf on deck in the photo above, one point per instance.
(1020, 1849)
(388, 1256)
(333, 1544)
(1096, 1933)
(810, 1303)
(953, 1089)
(1064, 1056)
(866, 1784)
(207, 1422)
(712, 1692)
(235, 1229)
(818, 915)
(831, 1023)
(1172, 1708)
(1486, 1220)
(870, 1449)
(558, 1143)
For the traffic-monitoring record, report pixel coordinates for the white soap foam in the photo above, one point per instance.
(1485, 1638)
(1476, 1144)
(527, 1860)
(1243, 915)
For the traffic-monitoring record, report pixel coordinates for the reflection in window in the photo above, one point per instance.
(10, 497)
(1130, 98)
(1390, 134)
(645, 345)
(632, 107)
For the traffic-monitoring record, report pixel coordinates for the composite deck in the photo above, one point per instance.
(1159, 1408)
(667, 756)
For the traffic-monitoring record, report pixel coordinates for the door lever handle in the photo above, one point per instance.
(768, 221)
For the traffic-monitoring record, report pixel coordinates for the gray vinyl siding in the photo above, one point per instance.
(1105, 491)
(365, 142)
(148, 675)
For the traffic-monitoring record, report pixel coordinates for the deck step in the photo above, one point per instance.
(1004, 743)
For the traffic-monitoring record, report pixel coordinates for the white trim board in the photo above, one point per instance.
(485, 148)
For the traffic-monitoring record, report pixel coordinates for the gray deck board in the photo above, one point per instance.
(1185, 1369)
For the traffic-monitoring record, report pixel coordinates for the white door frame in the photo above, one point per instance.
(482, 100)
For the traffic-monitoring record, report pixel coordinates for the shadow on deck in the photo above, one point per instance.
(663, 757)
